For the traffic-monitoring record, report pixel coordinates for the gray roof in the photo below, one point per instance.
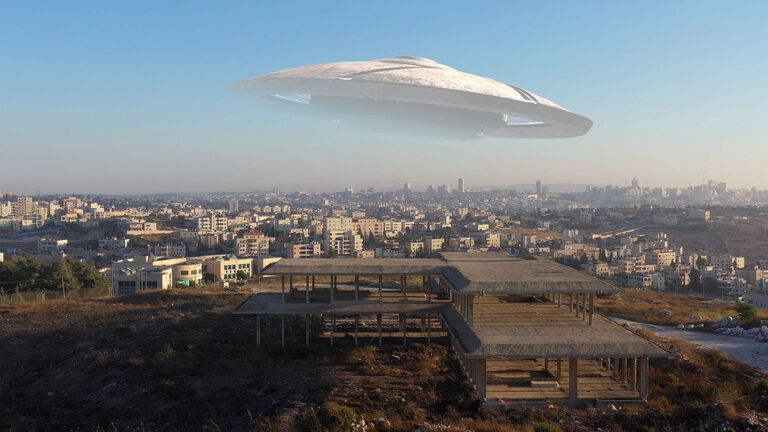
(356, 266)
(529, 334)
(472, 273)
(496, 273)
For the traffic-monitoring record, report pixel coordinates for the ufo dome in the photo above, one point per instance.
(415, 95)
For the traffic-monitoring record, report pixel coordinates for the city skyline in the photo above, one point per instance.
(112, 99)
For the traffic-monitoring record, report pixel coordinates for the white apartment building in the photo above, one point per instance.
(661, 257)
(48, 246)
(303, 250)
(170, 250)
(22, 206)
(413, 247)
(493, 240)
(131, 279)
(343, 242)
(214, 222)
(432, 245)
(252, 244)
(337, 224)
(699, 215)
(113, 243)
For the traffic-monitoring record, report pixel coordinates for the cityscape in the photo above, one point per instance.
(614, 233)
(383, 216)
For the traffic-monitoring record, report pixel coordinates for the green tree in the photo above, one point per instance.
(695, 280)
(63, 275)
(746, 311)
(700, 262)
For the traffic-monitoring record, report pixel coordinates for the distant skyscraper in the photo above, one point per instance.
(461, 189)
(407, 187)
(635, 183)
(538, 187)
(234, 205)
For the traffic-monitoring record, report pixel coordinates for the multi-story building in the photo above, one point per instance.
(493, 240)
(47, 246)
(660, 257)
(343, 242)
(368, 226)
(22, 206)
(252, 244)
(337, 224)
(413, 247)
(226, 267)
(214, 222)
(433, 245)
(303, 250)
(128, 280)
(170, 250)
(113, 243)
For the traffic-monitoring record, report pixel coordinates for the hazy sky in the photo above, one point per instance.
(130, 97)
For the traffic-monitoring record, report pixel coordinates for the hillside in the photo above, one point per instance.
(177, 360)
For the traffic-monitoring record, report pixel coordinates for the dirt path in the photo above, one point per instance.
(747, 350)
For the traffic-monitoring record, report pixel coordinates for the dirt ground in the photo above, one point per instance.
(178, 360)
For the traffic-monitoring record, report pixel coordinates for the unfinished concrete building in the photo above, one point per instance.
(524, 330)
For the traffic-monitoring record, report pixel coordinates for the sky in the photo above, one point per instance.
(130, 97)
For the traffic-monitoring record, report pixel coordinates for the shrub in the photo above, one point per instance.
(336, 417)
(438, 349)
(547, 427)
(747, 311)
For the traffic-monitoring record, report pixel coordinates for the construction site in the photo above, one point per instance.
(524, 330)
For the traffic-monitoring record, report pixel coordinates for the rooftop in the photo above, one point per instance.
(490, 273)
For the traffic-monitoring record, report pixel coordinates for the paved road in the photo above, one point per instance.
(747, 350)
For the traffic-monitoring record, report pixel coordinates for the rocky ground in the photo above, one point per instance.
(178, 360)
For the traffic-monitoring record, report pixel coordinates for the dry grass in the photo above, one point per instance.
(664, 308)
(179, 361)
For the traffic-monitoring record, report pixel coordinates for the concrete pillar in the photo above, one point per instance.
(633, 374)
(290, 285)
(333, 282)
(546, 364)
(429, 289)
(481, 377)
(357, 287)
(333, 327)
(570, 302)
(624, 373)
(357, 325)
(573, 378)
(378, 325)
(402, 328)
(591, 307)
(429, 329)
(380, 292)
(559, 368)
(559, 299)
(643, 377)
(282, 288)
(307, 290)
(258, 331)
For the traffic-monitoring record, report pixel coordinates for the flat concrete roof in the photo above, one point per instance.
(500, 273)
(471, 273)
(536, 330)
(356, 266)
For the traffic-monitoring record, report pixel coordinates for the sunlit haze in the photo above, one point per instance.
(131, 97)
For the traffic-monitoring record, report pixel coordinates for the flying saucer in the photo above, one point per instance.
(415, 95)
